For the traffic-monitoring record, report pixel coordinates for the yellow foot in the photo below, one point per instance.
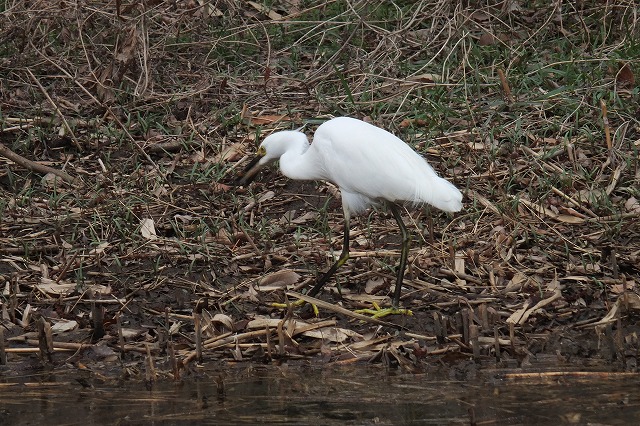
(378, 312)
(297, 303)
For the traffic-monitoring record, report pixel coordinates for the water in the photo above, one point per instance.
(332, 395)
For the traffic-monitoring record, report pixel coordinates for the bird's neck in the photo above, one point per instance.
(297, 163)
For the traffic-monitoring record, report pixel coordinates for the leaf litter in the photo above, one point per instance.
(123, 237)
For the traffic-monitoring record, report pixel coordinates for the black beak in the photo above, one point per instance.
(249, 172)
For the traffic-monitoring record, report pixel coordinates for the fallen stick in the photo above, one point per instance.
(36, 167)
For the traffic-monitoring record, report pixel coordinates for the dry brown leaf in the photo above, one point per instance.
(333, 334)
(50, 180)
(305, 218)
(224, 237)
(479, 16)
(49, 286)
(217, 187)
(486, 39)
(273, 15)
(550, 213)
(279, 279)
(265, 196)
(268, 119)
(230, 153)
(291, 325)
(223, 320)
(630, 300)
(621, 288)
(211, 10)
(425, 78)
(459, 263)
(374, 285)
(590, 196)
(625, 78)
(415, 121)
(521, 316)
(516, 283)
(251, 294)
(197, 157)
(632, 205)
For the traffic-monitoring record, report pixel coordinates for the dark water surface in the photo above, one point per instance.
(360, 395)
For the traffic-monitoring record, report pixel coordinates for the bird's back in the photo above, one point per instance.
(370, 164)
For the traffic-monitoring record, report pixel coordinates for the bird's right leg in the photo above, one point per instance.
(344, 256)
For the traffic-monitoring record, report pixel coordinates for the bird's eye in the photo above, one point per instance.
(262, 151)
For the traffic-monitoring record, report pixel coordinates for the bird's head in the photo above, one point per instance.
(270, 150)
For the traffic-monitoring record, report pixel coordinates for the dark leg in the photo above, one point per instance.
(406, 239)
(344, 256)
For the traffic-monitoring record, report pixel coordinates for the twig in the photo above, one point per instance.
(36, 167)
(605, 122)
(505, 86)
(57, 110)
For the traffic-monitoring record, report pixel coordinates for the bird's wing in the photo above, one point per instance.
(364, 159)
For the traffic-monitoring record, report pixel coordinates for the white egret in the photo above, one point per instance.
(371, 167)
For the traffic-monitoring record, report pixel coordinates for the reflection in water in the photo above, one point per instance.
(360, 395)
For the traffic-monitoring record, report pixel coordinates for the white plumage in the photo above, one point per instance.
(369, 165)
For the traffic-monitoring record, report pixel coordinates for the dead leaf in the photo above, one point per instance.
(374, 285)
(521, 316)
(479, 16)
(630, 300)
(425, 78)
(548, 212)
(230, 153)
(49, 286)
(279, 279)
(262, 323)
(333, 334)
(100, 248)
(217, 187)
(224, 237)
(305, 218)
(267, 119)
(252, 294)
(621, 288)
(184, 218)
(266, 196)
(414, 121)
(50, 180)
(223, 320)
(459, 263)
(64, 325)
(197, 157)
(486, 39)
(516, 283)
(210, 10)
(632, 205)
(625, 78)
(148, 229)
(273, 15)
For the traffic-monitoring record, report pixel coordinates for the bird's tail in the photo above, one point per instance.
(445, 196)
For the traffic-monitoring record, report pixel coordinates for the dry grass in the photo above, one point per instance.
(151, 109)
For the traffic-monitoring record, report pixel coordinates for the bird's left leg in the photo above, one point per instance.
(406, 241)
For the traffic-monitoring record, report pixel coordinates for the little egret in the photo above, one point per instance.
(371, 167)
